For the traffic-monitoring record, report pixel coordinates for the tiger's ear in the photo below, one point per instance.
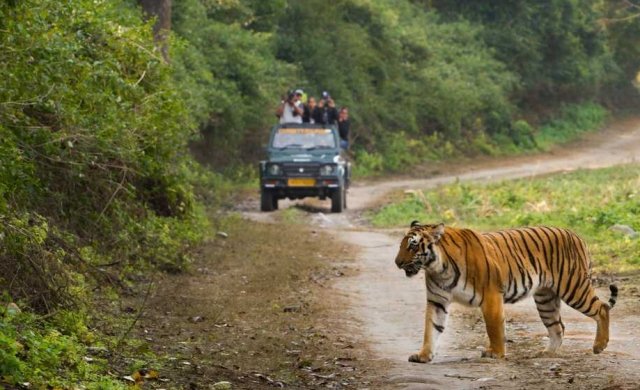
(438, 232)
(415, 223)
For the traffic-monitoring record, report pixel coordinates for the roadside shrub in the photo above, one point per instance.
(399, 151)
(573, 120)
(367, 164)
(38, 266)
(522, 134)
(34, 351)
(96, 179)
(94, 135)
(483, 144)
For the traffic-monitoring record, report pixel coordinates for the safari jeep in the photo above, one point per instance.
(304, 160)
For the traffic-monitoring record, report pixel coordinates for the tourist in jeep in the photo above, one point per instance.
(343, 127)
(290, 109)
(326, 113)
(311, 105)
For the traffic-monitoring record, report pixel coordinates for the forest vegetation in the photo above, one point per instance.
(103, 106)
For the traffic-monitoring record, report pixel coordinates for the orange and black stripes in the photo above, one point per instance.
(551, 263)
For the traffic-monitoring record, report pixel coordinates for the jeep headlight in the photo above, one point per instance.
(274, 169)
(327, 170)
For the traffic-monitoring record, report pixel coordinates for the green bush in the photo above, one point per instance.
(522, 134)
(573, 120)
(38, 353)
(94, 134)
(94, 169)
(400, 151)
(483, 144)
(367, 164)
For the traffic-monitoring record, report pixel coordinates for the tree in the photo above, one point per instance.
(556, 46)
(161, 10)
(621, 20)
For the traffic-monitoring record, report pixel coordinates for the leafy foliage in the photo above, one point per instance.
(467, 73)
(556, 47)
(94, 170)
(48, 354)
(229, 75)
(399, 67)
(571, 122)
(93, 135)
(45, 355)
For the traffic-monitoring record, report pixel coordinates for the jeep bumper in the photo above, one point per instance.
(298, 188)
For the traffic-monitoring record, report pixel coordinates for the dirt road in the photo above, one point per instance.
(388, 308)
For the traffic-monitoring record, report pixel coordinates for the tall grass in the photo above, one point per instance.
(588, 202)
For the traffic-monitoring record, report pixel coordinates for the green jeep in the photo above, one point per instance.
(304, 160)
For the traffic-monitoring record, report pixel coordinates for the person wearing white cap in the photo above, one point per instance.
(291, 109)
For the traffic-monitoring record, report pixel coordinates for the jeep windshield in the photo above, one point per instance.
(303, 138)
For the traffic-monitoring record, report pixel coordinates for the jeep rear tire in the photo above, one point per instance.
(267, 200)
(337, 200)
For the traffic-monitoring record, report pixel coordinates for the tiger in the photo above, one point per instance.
(489, 269)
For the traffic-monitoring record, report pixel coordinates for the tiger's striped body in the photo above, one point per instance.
(489, 269)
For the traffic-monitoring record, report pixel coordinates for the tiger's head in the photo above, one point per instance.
(417, 249)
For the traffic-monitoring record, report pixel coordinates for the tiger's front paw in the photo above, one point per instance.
(490, 353)
(599, 347)
(418, 358)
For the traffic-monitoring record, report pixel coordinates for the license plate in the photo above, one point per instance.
(302, 182)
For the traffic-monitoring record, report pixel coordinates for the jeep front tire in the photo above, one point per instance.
(267, 201)
(337, 200)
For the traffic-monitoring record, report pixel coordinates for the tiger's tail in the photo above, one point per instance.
(614, 295)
